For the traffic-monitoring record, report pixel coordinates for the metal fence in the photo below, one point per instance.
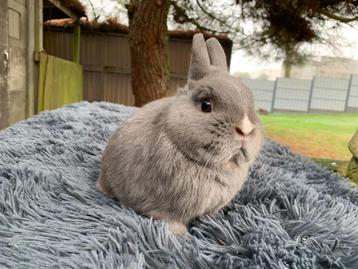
(316, 95)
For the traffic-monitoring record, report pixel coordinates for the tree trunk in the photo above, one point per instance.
(148, 47)
(288, 62)
(287, 65)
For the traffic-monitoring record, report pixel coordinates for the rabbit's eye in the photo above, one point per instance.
(206, 105)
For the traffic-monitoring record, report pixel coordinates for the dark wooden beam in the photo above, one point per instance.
(64, 9)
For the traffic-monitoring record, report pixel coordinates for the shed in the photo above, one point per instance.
(21, 41)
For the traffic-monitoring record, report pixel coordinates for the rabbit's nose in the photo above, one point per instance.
(245, 127)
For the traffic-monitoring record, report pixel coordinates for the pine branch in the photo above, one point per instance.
(336, 17)
(180, 10)
(96, 17)
(212, 16)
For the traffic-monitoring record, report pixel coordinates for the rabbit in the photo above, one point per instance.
(187, 155)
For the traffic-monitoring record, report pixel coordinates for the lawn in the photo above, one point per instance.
(323, 136)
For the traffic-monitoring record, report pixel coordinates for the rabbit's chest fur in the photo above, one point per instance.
(202, 190)
(151, 173)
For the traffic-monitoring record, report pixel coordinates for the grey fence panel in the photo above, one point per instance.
(292, 94)
(262, 90)
(353, 95)
(320, 94)
(329, 94)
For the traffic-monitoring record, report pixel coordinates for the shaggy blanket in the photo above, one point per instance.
(291, 213)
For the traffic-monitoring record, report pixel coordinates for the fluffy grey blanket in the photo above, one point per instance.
(291, 213)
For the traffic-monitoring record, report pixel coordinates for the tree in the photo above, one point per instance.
(269, 28)
(148, 48)
(287, 25)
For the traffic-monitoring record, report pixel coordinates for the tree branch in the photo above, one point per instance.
(94, 11)
(211, 15)
(336, 17)
(181, 11)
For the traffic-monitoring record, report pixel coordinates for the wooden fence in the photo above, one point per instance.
(106, 62)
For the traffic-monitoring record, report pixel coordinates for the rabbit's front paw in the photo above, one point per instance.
(177, 228)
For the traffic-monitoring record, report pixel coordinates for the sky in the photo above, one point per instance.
(240, 61)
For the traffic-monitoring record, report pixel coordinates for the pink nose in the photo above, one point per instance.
(243, 132)
(239, 131)
(245, 127)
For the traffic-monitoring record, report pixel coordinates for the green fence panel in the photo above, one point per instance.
(60, 82)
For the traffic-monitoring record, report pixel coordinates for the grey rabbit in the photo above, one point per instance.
(187, 155)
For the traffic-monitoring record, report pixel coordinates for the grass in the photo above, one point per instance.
(320, 136)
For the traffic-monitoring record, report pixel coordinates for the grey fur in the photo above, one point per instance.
(216, 53)
(199, 61)
(290, 213)
(171, 161)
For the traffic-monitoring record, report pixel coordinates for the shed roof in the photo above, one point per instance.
(112, 26)
(75, 6)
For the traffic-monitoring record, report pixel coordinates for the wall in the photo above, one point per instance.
(17, 32)
(4, 110)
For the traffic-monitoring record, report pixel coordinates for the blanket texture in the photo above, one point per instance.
(291, 213)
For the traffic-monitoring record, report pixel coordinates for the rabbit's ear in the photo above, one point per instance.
(199, 62)
(216, 53)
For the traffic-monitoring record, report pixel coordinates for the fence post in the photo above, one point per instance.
(274, 95)
(348, 93)
(310, 95)
(76, 43)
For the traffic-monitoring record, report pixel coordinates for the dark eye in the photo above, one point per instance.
(206, 105)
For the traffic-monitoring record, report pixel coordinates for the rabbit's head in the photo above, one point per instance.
(215, 122)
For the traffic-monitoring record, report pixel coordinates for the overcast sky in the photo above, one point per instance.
(241, 62)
